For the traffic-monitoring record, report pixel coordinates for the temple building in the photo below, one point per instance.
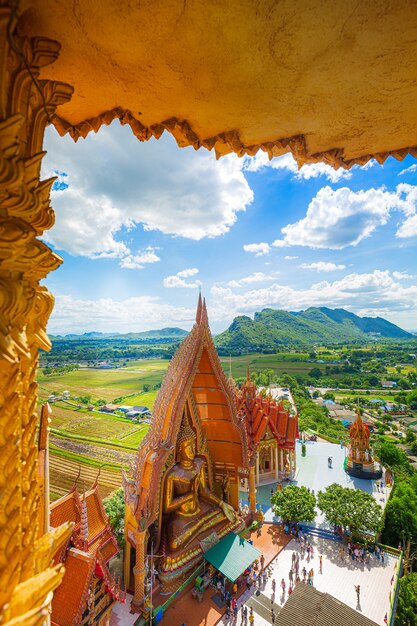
(79, 65)
(88, 590)
(360, 462)
(183, 494)
(272, 432)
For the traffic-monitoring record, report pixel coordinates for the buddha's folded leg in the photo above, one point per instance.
(180, 534)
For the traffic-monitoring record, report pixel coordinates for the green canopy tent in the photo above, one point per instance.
(232, 556)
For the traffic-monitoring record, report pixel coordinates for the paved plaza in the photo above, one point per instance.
(313, 472)
(338, 578)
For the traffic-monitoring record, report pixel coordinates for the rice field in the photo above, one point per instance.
(63, 473)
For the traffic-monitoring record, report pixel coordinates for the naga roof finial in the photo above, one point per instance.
(199, 307)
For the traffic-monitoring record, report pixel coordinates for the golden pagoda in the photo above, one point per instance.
(183, 492)
(360, 462)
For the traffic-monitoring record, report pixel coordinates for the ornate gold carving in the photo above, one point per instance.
(225, 142)
(26, 105)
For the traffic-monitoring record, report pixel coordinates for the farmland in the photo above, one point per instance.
(83, 435)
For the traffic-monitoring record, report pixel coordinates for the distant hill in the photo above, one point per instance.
(163, 333)
(271, 328)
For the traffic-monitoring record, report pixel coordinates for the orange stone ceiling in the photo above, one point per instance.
(328, 79)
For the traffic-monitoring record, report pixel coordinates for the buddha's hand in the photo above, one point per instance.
(228, 510)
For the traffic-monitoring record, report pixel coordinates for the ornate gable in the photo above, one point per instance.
(195, 382)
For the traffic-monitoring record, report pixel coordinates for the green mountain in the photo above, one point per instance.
(273, 328)
(163, 333)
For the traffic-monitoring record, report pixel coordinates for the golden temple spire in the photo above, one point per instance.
(199, 307)
(358, 416)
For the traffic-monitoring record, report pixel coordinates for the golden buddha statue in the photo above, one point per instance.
(191, 507)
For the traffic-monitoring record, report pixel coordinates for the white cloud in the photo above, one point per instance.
(287, 163)
(376, 292)
(139, 260)
(403, 275)
(339, 218)
(116, 183)
(192, 271)
(408, 228)
(177, 280)
(408, 170)
(256, 277)
(279, 243)
(288, 257)
(258, 249)
(72, 315)
(322, 266)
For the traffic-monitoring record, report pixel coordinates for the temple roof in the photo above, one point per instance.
(98, 532)
(70, 598)
(316, 77)
(261, 413)
(194, 379)
(94, 544)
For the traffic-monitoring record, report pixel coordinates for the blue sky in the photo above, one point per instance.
(140, 226)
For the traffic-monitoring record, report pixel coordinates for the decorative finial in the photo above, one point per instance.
(97, 477)
(73, 488)
(186, 431)
(199, 306)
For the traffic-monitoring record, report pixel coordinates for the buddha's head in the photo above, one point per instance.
(186, 443)
(187, 450)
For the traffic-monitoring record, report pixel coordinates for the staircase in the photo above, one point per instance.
(263, 607)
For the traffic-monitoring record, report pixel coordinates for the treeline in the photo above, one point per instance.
(400, 527)
(108, 350)
(61, 369)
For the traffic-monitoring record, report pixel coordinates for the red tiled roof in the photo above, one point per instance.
(70, 598)
(259, 413)
(66, 509)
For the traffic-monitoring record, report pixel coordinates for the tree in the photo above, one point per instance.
(350, 508)
(412, 400)
(406, 612)
(114, 506)
(410, 436)
(294, 504)
(401, 515)
(390, 454)
(315, 372)
(329, 396)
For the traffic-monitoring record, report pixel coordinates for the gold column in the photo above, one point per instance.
(252, 488)
(139, 572)
(126, 563)
(26, 106)
(276, 463)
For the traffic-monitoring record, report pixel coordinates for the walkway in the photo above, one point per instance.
(338, 579)
(314, 473)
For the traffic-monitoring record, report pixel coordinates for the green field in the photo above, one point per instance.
(145, 398)
(279, 363)
(103, 384)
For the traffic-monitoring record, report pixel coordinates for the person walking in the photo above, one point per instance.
(251, 616)
(262, 561)
(291, 576)
(358, 593)
(342, 553)
(321, 564)
(283, 586)
(274, 585)
(304, 573)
